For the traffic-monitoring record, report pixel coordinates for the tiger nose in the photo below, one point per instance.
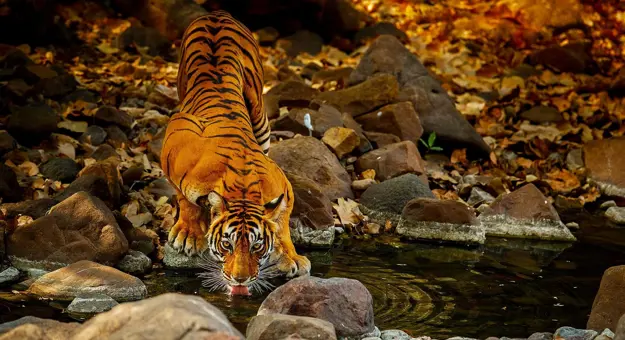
(240, 279)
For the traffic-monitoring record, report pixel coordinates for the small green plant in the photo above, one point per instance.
(429, 145)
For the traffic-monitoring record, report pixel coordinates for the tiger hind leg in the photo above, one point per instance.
(189, 232)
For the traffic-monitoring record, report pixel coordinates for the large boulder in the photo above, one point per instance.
(345, 303)
(436, 110)
(606, 164)
(608, 305)
(316, 163)
(280, 326)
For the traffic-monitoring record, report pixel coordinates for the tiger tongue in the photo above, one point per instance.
(239, 290)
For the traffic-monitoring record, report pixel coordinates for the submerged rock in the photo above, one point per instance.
(345, 303)
(608, 305)
(524, 213)
(96, 303)
(281, 326)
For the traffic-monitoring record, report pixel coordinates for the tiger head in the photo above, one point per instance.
(241, 241)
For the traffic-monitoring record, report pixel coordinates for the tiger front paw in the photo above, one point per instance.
(294, 265)
(189, 232)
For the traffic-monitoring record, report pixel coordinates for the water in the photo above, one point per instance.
(505, 288)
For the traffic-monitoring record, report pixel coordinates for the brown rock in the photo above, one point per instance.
(110, 115)
(609, 305)
(103, 152)
(392, 161)
(542, 114)
(442, 211)
(572, 58)
(79, 228)
(33, 328)
(398, 119)
(321, 120)
(317, 163)
(526, 202)
(350, 123)
(362, 98)
(606, 164)
(345, 303)
(381, 140)
(32, 208)
(10, 189)
(619, 333)
(291, 94)
(85, 277)
(341, 141)
(340, 75)
(280, 326)
(102, 180)
(362, 184)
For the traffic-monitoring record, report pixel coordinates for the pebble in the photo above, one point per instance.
(616, 214)
(362, 184)
(9, 275)
(573, 225)
(96, 303)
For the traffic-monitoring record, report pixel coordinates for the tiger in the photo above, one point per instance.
(233, 201)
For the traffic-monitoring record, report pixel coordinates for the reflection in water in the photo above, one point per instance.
(505, 288)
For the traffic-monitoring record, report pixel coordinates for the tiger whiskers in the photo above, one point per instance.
(266, 271)
(213, 278)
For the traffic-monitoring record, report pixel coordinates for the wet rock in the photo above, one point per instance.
(398, 119)
(29, 125)
(157, 44)
(33, 328)
(362, 184)
(616, 214)
(364, 97)
(317, 163)
(7, 142)
(435, 109)
(541, 336)
(479, 196)
(86, 277)
(572, 58)
(301, 42)
(608, 305)
(79, 228)
(342, 141)
(9, 275)
(60, 169)
(392, 160)
(386, 200)
(291, 94)
(10, 189)
(103, 152)
(92, 304)
(166, 316)
(603, 158)
(280, 326)
(542, 114)
(381, 140)
(394, 334)
(94, 135)
(380, 28)
(312, 221)
(433, 219)
(110, 115)
(345, 303)
(173, 259)
(524, 213)
(116, 137)
(570, 333)
(320, 121)
(135, 262)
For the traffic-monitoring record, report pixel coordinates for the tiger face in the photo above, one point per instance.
(241, 241)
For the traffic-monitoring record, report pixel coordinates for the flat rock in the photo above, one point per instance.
(9, 275)
(524, 213)
(479, 196)
(79, 228)
(176, 260)
(608, 305)
(33, 328)
(29, 125)
(64, 170)
(345, 303)
(135, 262)
(10, 189)
(436, 110)
(96, 303)
(86, 277)
(280, 326)
(342, 141)
(317, 163)
(604, 161)
(392, 160)
(399, 119)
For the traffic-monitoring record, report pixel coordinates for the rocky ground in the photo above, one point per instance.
(462, 122)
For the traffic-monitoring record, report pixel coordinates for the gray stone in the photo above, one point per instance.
(96, 303)
(616, 214)
(94, 135)
(316, 238)
(174, 259)
(395, 334)
(9, 275)
(135, 262)
(479, 196)
(417, 230)
(281, 326)
(570, 333)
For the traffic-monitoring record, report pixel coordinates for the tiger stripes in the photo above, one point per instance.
(231, 196)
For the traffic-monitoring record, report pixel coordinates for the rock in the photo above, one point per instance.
(82, 94)
(479, 196)
(350, 123)
(60, 169)
(86, 277)
(7, 142)
(101, 179)
(291, 94)
(339, 75)
(9, 275)
(166, 316)
(161, 187)
(140, 238)
(541, 336)
(620, 329)
(398, 119)
(58, 86)
(116, 137)
(345, 303)
(132, 174)
(103, 152)
(395, 334)
(94, 135)
(377, 29)
(135, 262)
(301, 42)
(572, 58)
(312, 221)
(542, 114)
(280, 326)
(574, 159)
(616, 214)
(392, 160)
(362, 98)
(29, 125)
(317, 163)
(267, 35)
(10, 189)
(608, 306)
(608, 204)
(173, 259)
(604, 161)
(433, 219)
(79, 228)
(435, 109)
(32, 208)
(110, 115)
(386, 200)
(135, 36)
(362, 184)
(524, 213)
(32, 328)
(570, 333)
(92, 304)
(342, 141)
(381, 140)
(320, 121)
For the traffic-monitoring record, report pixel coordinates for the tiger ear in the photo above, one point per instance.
(275, 208)
(218, 204)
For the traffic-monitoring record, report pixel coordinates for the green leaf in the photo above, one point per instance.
(424, 143)
(432, 138)
(436, 148)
